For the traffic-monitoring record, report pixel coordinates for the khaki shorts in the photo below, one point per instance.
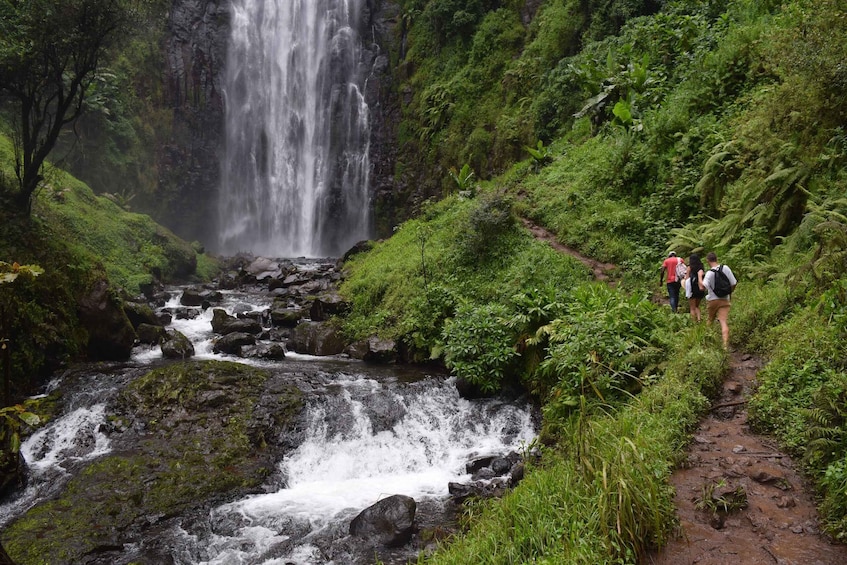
(715, 306)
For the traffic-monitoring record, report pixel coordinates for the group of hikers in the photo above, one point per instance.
(715, 284)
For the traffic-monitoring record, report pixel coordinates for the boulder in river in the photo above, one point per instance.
(390, 522)
(316, 338)
(223, 323)
(177, 346)
(232, 343)
(110, 333)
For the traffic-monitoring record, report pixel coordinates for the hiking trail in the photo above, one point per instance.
(739, 499)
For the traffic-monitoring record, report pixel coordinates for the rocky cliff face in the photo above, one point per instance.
(384, 103)
(189, 166)
(189, 170)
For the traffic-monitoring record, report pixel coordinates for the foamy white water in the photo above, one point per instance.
(344, 465)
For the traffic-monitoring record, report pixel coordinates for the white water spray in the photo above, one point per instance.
(296, 171)
(347, 462)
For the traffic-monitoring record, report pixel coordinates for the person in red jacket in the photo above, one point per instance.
(669, 269)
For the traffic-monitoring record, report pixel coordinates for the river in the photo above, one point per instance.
(372, 431)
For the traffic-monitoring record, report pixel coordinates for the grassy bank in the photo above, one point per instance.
(78, 239)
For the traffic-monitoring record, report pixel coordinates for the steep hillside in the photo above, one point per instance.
(691, 126)
(85, 244)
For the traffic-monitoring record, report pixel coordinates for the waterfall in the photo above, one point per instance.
(295, 172)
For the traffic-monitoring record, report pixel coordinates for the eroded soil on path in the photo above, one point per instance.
(600, 270)
(729, 466)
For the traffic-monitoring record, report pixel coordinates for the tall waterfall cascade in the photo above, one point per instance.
(295, 172)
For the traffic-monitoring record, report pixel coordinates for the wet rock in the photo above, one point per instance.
(381, 351)
(191, 297)
(501, 466)
(262, 268)
(177, 346)
(110, 333)
(459, 492)
(475, 465)
(186, 313)
(150, 334)
(357, 349)
(287, 317)
(360, 247)
(224, 324)
(328, 305)
(389, 522)
(516, 474)
(233, 342)
(140, 314)
(273, 351)
(484, 474)
(316, 338)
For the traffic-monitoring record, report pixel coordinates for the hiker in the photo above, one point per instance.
(674, 268)
(694, 286)
(719, 283)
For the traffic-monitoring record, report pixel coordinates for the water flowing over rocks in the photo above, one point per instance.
(206, 461)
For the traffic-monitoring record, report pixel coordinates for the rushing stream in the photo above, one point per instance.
(370, 431)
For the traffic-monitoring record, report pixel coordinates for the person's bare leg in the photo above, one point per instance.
(723, 317)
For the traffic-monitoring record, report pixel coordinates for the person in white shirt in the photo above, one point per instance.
(718, 305)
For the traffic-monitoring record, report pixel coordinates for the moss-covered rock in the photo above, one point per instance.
(208, 433)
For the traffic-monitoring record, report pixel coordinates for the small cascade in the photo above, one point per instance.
(295, 174)
(368, 431)
(367, 441)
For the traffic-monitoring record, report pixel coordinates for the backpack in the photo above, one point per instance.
(680, 270)
(720, 285)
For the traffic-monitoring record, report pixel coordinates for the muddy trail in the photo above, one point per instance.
(600, 270)
(739, 499)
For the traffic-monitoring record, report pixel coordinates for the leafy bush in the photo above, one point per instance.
(479, 346)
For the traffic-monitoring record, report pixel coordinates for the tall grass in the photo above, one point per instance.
(601, 495)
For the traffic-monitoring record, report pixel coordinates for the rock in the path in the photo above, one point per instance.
(389, 522)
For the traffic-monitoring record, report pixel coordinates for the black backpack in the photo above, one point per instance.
(720, 284)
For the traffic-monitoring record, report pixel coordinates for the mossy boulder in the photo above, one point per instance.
(211, 431)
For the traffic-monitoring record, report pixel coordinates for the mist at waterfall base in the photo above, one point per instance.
(295, 171)
(371, 432)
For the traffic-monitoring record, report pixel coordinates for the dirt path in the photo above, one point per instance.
(601, 270)
(772, 517)
(779, 524)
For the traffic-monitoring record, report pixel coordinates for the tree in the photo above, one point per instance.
(50, 51)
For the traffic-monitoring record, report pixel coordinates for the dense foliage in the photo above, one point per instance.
(77, 238)
(50, 55)
(692, 126)
(627, 128)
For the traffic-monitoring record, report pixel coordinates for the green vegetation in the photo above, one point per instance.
(49, 59)
(700, 126)
(78, 239)
(626, 128)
